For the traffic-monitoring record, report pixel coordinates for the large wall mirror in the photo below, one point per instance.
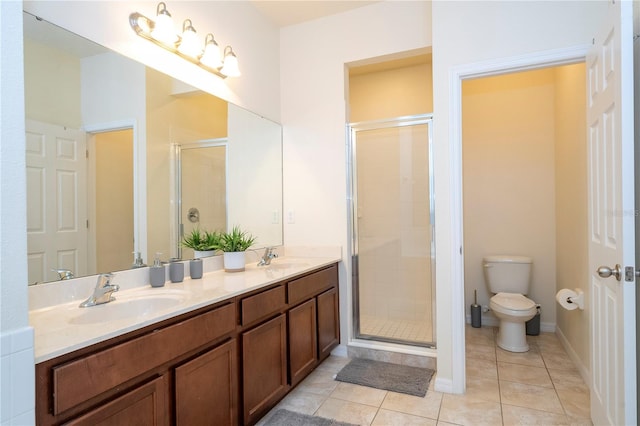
(119, 156)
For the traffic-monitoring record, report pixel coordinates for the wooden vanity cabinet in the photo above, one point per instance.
(313, 324)
(227, 364)
(109, 376)
(296, 333)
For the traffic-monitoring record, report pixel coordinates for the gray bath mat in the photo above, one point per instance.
(387, 376)
(282, 417)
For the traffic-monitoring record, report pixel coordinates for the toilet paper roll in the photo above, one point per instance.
(570, 299)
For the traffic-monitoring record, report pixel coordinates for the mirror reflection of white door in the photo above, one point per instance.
(56, 182)
(611, 218)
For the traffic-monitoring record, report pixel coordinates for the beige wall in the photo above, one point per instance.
(509, 179)
(114, 202)
(172, 119)
(572, 268)
(391, 93)
(52, 93)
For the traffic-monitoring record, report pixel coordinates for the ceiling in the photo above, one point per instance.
(291, 12)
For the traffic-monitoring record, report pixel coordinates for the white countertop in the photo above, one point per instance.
(65, 327)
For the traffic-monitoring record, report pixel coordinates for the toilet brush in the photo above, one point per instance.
(476, 312)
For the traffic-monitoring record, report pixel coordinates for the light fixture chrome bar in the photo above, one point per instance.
(143, 26)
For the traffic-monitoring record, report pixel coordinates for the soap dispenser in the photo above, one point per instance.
(157, 274)
(137, 260)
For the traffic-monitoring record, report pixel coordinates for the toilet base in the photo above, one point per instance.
(512, 336)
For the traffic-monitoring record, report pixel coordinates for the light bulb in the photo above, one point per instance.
(211, 55)
(189, 45)
(163, 30)
(230, 67)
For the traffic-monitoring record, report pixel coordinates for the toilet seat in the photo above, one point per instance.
(513, 304)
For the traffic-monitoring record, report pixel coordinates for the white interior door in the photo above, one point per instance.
(611, 219)
(56, 200)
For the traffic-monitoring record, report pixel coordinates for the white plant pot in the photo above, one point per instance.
(234, 261)
(198, 254)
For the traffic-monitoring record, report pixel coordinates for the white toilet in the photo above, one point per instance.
(508, 278)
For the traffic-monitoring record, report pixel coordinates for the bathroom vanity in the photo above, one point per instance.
(231, 347)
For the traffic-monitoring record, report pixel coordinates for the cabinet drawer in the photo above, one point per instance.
(310, 285)
(80, 380)
(145, 405)
(262, 304)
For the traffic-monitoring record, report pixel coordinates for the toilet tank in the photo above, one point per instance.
(507, 274)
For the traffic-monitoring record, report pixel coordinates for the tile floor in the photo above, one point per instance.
(540, 387)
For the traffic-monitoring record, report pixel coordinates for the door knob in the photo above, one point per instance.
(606, 272)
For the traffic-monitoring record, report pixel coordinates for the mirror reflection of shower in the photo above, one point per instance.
(200, 189)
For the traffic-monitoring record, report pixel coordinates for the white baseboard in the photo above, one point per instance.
(443, 385)
(340, 350)
(582, 369)
(491, 321)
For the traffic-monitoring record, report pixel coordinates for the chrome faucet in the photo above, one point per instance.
(269, 254)
(63, 274)
(102, 292)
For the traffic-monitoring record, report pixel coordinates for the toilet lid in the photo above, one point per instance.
(515, 302)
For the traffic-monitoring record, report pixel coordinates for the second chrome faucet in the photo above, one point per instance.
(269, 253)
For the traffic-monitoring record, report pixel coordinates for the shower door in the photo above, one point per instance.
(392, 221)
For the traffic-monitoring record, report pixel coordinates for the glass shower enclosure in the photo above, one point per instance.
(392, 210)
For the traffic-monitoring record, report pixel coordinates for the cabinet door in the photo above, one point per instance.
(143, 406)
(328, 322)
(207, 388)
(264, 364)
(303, 341)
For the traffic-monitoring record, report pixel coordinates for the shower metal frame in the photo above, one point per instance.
(352, 197)
(177, 230)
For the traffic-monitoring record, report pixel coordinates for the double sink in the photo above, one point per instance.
(66, 327)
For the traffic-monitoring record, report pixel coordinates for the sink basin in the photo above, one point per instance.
(126, 308)
(286, 265)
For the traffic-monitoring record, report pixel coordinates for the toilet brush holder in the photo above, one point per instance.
(476, 312)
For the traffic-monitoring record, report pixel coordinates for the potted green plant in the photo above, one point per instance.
(233, 244)
(203, 243)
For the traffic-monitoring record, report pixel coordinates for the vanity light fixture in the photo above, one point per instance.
(186, 45)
